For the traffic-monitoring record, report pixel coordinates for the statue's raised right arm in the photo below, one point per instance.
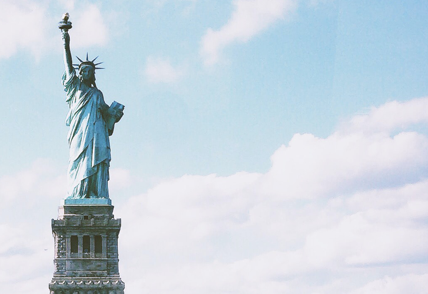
(68, 61)
(64, 25)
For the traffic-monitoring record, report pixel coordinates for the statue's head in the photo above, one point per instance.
(86, 70)
(87, 74)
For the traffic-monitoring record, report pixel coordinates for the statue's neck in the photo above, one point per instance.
(87, 84)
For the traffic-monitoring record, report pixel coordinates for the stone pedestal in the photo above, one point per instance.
(86, 249)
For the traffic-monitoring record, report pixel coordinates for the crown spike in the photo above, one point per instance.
(88, 62)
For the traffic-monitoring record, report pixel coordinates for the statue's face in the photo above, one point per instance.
(87, 73)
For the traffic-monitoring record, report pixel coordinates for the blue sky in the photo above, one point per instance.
(275, 146)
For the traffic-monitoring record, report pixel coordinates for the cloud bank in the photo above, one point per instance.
(333, 215)
(343, 214)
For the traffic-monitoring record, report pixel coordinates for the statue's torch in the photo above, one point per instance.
(64, 24)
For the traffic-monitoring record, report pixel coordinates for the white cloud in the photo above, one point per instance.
(68, 4)
(328, 209)
(29, 199)
(41, 179)
(120, 178)
(89, 27)
(27, 25)
(354, 161)
(159, 70)
(24, 26)
(409, 284)
(389, 117)
(249, 18)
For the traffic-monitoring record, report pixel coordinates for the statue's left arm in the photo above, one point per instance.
(111, 114)
(103, 107)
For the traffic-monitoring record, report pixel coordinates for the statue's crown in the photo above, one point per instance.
(87, 62)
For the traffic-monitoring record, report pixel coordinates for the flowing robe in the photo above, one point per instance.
(88, 139)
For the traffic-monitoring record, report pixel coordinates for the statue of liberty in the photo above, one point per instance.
(91, 122)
